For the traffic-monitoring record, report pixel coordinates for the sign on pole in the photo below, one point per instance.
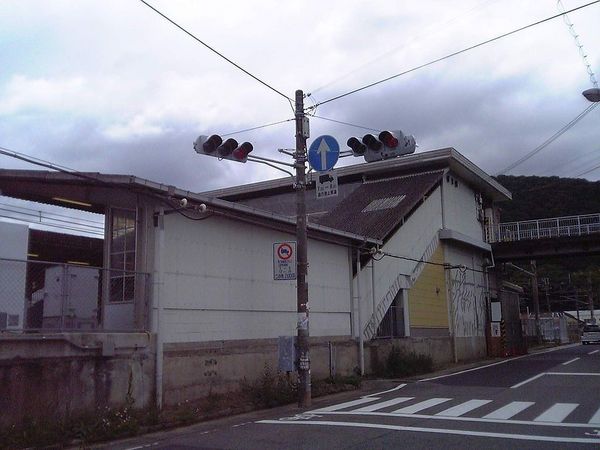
(327, 184)
(323, 153)
(284, 260)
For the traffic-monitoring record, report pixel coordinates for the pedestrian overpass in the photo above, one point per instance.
(558, 236)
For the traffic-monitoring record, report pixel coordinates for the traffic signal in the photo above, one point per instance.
(229, 149)
(388, 144)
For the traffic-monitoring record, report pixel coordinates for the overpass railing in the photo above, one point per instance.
(547, 228)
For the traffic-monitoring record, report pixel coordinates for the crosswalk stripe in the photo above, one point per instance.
(596, 417)
(421, 406)
(349, 404)
(557, 412)
(463, 408)
(507, 411)
(382, 405)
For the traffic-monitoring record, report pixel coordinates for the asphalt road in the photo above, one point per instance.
(548, 400)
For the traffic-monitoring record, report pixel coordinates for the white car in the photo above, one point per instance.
(590, 334)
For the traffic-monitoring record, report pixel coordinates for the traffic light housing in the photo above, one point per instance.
(388, 144)
(229, 149)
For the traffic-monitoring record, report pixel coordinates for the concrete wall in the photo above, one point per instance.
(218, 284)
(193, 370)
(438, 348)
(55, 376)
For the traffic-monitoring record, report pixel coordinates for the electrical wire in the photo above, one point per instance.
(378, 256)
(215, 51)
(345, 123)
(578, 43)
(435, 27)
(51, 218)
(62, 227)
(39, 211)
(587, 171)
(258, 127)
(354, 91)
(548, 141)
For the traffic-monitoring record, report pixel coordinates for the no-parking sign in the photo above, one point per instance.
(284, 260)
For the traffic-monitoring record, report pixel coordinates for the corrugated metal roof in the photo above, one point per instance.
(376, 208)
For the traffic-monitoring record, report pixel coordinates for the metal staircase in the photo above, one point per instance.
(401, 281)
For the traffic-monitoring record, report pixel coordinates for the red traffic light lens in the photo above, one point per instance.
(212, 143)
(242, 151)
(370, 141)
(358, 148)
(388, 139)
(227, 147)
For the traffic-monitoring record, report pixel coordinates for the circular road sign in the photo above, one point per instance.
(323, 153)
(284, 251)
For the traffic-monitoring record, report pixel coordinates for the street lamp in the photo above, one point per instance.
(592, 94)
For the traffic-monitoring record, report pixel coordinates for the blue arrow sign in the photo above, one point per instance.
(323, 153)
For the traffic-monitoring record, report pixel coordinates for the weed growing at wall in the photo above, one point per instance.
(400, 363)
(271, 389)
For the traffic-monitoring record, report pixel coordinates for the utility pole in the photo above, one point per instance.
(304, 388)
(547, 286)
(591, 298)
(536, 300)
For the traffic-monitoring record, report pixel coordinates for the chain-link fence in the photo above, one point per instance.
(38, 295)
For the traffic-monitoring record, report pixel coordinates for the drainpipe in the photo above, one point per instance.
(361, 343)
(159, 274)
(373, 285)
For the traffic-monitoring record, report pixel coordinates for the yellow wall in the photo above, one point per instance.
(427, 302)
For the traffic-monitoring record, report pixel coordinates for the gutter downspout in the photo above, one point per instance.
(448, 274)
(361, 342)
(158, 261)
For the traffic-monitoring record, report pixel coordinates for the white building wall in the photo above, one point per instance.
(468, 290)
(218, 284)
(410, 240)
(460, 207)
(14, 245)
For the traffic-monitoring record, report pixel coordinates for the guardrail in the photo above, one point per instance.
(547, 228)
(50, 296)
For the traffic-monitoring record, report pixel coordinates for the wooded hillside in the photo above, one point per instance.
(541, 197)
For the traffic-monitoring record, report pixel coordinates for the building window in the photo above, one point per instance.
(122, 255)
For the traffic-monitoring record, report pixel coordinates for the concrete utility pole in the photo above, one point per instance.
(304, 388)
(536, 300)
(590, 297)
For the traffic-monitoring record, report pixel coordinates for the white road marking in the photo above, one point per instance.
(463, 408)
(349, 404)
(595, 351)
(467, 419)
(582, 374)
(569, 362)
(535, 377)
(524, 437)
(497, 363)
(421, 406)
(508, 411)
(382, 405)
(557, 412)
(385, 392)
(595, 418)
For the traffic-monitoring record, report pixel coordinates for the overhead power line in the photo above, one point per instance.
(346, 123)
(354, 91)
(258, 127)
(216, 51)
(548, 141)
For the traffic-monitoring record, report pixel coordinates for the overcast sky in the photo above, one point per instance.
(110, 86)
